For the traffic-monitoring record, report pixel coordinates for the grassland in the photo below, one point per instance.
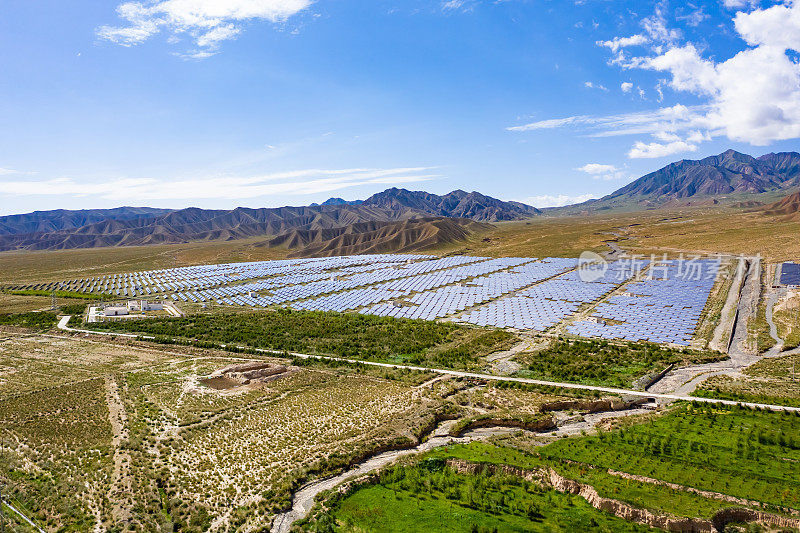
(55, 427)
(348, 335)
(169, 453)
(605, 363)
(715, 230)
(738, 452)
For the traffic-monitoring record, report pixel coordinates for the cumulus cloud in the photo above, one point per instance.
(753, 96)
(557, 200)
(299, 182)
(622, 42)
(603, 172)
(642, 150)
(626, 86)
(206, 22)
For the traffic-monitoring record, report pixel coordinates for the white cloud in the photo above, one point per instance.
(603, 172)
(552, 123)
(206, 22)
(739, 4)
(656, 26)
(695, 18)
(6, 171)
(590, 85)
(752, 97)
(665, 119)
(300, 182)
(557, 201)
(626, 86)
(617, 43)
(642, 150)
(453, 5)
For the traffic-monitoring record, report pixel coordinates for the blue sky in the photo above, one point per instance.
(222, 103)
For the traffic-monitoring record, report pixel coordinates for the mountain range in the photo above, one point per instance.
(322, 227)
(729, 173)
(399, 219)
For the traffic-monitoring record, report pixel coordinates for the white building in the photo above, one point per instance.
(115, 311)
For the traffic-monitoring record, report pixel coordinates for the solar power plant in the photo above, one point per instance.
(790, 274)
(665, 307)
(549, 302)
(515, 292)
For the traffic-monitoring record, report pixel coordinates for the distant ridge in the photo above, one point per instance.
(458, 203)
(788, 207)
(690, 181)
(62, 219)
(143, 226)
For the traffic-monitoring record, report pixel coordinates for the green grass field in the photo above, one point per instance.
(645, 495)
(605, 363)
(431, 497)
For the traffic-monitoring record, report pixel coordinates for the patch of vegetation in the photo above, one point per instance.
(732, 450)
(460, 354)
(598, 362)
(429, 496)
(35, 320)
(347, 335)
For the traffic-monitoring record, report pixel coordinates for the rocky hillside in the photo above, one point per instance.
(378, 237)
(729, 173)
(473, 205)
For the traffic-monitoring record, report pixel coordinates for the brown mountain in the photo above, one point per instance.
(728, 173)
(788, 207)
(193, 224)
(378, 237)
(473, 205)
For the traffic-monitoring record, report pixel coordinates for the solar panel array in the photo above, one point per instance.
(665, 307)
(514, 292)
(548, 303)
(790, 274)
